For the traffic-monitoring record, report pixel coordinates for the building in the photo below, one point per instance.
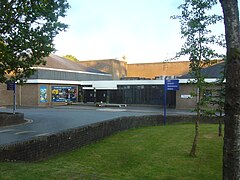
(117, 68)
(52, 84)
(149, 91)
(144, 92)
(183, 96)
(120, 69)
(106, 81)
(155, 70)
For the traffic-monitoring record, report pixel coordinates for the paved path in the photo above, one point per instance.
(45, 121)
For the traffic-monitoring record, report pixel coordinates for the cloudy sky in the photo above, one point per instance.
(140, 30)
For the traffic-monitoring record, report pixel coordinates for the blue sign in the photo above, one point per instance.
(172, 84)
(11, 86)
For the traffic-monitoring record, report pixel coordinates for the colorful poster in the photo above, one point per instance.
(64, 93)
(43, 94)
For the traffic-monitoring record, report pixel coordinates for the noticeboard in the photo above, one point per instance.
(11, 86)
(172, 84)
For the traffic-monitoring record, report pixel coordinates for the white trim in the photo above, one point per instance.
(209, 80)
(88, 88)
(73, 71)
(49, 81)
(113, 84)
(108, 84)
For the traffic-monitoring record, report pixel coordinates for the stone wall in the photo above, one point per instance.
(43, 147)
(7, 119)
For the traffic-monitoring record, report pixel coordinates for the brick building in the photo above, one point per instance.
(183, 96)
(117, 68)
(52, 84)
(152, 70)
(64, 80)
(121, 69)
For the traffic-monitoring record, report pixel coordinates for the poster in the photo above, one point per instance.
(64, 93)
(43, 94)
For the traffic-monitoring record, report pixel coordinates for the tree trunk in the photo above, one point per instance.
(195, 140)
(219, 128)
(220, 124)
(231, 149)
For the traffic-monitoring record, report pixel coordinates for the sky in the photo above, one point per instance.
(140, 30)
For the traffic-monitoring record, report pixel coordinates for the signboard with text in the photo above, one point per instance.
(10, 86)
(169, 85)
(172, 84)
(64, 93)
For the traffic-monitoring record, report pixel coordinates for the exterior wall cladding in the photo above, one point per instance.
(71, 76)
(120, 69)
(25, 95)
(152, 70)
(117, 68)
(186, 103)
(5, 96)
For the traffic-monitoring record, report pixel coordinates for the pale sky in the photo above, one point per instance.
(141, 30)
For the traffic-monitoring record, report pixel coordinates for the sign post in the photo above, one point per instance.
(165, 103)
(14, 98)
(12, 87)
(169, 85)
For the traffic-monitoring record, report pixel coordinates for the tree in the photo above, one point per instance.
(195, 30)
(231, 149)
(71, 57)
(218, 99)
(26, 34)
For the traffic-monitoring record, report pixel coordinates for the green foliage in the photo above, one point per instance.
(195, 30)
(70, 57)
(218, 99)
(144, 153)
(195, 21)
(26, 34)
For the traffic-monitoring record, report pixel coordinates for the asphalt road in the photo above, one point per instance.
(45, 121)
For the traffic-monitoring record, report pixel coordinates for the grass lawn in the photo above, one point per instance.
(145, 153)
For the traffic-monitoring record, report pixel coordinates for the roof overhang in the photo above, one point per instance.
(110, 84)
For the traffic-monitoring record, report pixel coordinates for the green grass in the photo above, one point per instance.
(145, 153)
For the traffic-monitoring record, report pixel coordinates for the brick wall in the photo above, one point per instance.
(182, 102)
(6, 96)
(43, 147)
(117, 68)
(120, 69)
(151, 70)
(29, 94)
(7, 119)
